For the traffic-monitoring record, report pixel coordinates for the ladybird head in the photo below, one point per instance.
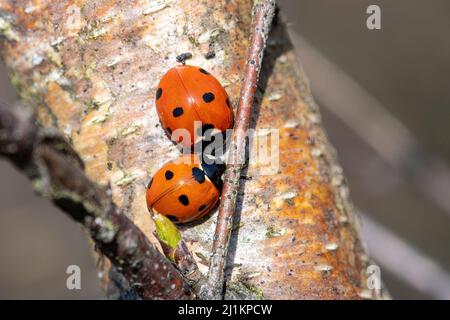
(214, 170)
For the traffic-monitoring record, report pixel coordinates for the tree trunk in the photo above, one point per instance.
(91, 69)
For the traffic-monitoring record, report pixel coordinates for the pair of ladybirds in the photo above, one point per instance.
(188, 188)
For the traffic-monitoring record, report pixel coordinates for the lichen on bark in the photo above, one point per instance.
(90, 69)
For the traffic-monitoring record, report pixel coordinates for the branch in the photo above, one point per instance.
(263, 13)
(296, 235)
(58, 174)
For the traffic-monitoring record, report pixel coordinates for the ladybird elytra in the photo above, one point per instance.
(182, 190)
(186, 94)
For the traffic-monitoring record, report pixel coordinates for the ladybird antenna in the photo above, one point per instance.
(181, 58)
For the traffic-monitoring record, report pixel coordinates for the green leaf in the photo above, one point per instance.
(166, 231)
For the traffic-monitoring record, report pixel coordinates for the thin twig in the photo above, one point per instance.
(188, 267)
(176, 250)
(263, 13)
(57, 173)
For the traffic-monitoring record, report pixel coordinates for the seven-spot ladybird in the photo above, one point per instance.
(186, 94)
(185, 189)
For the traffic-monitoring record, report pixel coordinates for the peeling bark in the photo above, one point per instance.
(263, 14)
(90, 69)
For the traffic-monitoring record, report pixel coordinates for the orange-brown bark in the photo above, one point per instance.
(91, 69)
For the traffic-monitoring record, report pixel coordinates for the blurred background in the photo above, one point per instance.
(385, 100)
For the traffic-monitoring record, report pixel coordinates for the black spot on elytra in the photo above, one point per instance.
(184, 200)
(228, 103)
(203, 71)
(198, 174)
(202, 207)
(172, 218)
(207, 127)
(178, 111)
(208, 97)
(158, 93)
(168, 175)
(149, 184)
(204, 128)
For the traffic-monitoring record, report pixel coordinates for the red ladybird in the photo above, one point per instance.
(186, 94)
(185, 189)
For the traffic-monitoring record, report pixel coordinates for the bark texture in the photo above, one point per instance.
(57, 173)
(90, 68)
(263, 13)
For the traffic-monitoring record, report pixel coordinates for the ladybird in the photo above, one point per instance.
(186, 94)
(185, 189)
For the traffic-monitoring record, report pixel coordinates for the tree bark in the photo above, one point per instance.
(90, 69)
